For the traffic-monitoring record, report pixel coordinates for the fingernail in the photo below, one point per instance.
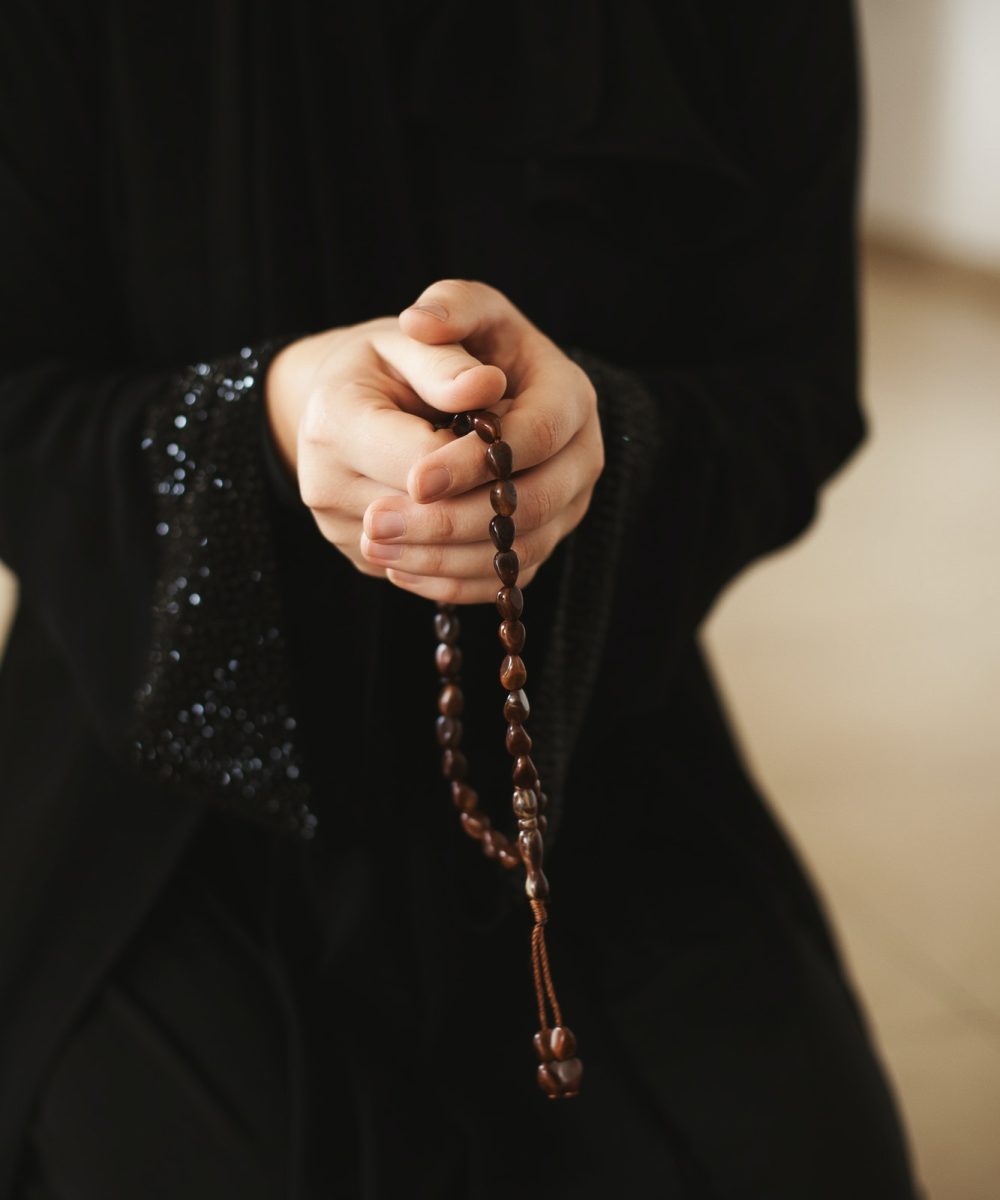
(435, 310)
(388, 525)
(379, 550)
(433, 483)
(405, 576)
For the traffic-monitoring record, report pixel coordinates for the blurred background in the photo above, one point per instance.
(862, 666)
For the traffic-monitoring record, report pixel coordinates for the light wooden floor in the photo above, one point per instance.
(863, 668)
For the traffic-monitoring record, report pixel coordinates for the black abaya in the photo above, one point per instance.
(195, 1002)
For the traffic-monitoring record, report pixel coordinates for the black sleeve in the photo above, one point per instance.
(135, 500)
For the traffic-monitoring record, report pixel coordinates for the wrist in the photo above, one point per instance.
(284, 398)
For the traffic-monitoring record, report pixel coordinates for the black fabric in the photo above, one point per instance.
(667, 191)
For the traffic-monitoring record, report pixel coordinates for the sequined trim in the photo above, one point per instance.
(214, 712)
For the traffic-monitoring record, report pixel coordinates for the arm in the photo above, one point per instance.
(92, 517)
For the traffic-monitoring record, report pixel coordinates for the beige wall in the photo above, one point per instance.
(933, 161)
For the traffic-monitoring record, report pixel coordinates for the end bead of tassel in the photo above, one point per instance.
(560, 1071)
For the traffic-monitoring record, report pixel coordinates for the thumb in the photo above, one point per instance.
(460, 310)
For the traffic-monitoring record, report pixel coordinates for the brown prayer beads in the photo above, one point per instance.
(559, 1069)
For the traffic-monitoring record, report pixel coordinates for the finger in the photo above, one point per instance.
(465, 560)
(342, 526)
(461, 310)
(446, 376)
(472, 560)
(559, 401)
(453, 591)
(542, 492)
(327, 486)
(352, 427)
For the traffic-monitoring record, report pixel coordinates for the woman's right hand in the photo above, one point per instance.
(347, 412)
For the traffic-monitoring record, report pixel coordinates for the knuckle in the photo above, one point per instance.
(459, 289)
(549, 432)
(578, 510)
(315, 490)
(314, 428)
(322, 492)
(449, 591)
(600, 460)
(466, 293)
(587, 389)
(443, 523)
(365, 427)
(310, 493)
(332, 530)
(542, 546)
(434, 559)
(367, 568)
(540, 510)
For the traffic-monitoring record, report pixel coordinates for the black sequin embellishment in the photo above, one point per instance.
(214, 711)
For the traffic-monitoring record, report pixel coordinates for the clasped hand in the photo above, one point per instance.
(350, 410)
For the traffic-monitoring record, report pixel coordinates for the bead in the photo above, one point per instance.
(512, 635)
(513, 673)
(503, 497)
(527, 823)
(509, 858)
(464, 797)
(500, 459)
(524, 803)
(536, 885)
(543, 800)
(446, 627)
(524, 773)
(454, 765)
(518, 740)
(549, 1082)
(487, 425)
(516, 709)
(449, 731)
(474, 824)
(506, 564)
(510, 603)
(448, 660)
(543, 825)
(560, 1080)
(542, 1045)
(529, 842)
(491, 844)
(562, 1041)
(461, 424)
(451, 701)
(557, 1043)
(502, 532)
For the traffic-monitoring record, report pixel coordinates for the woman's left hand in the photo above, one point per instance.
(549, 418)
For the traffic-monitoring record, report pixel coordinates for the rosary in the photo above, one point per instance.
(559, 1069)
